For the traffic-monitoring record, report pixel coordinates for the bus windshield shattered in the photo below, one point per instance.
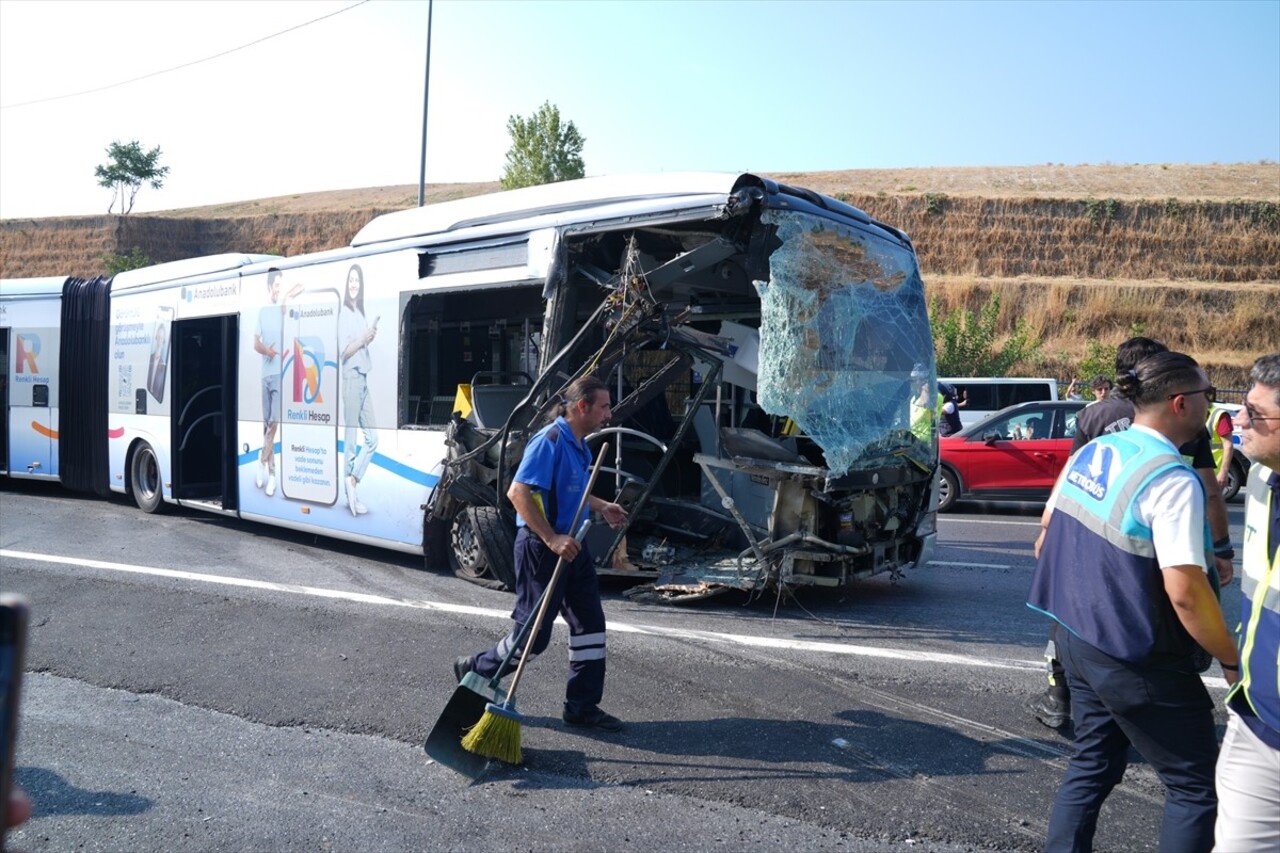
(772, 371)
(842, 327)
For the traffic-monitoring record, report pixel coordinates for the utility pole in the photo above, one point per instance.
(426, 93)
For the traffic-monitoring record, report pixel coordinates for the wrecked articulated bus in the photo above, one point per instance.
(764, 345)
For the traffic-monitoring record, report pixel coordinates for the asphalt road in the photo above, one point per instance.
(198, 683)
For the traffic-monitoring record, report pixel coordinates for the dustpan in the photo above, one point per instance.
(463, 710)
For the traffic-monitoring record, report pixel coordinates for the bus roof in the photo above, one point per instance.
(44, 286)
(185, 269)
(562, 197)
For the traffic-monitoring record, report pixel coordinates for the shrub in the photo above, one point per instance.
(1100, 212)
(116, 264)
(1265, 213)
(965, 343)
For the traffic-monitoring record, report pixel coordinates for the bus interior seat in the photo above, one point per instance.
(493, 404)
(441, 410)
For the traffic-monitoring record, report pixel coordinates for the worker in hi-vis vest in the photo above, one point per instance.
(1248, 775)
(1220, 438)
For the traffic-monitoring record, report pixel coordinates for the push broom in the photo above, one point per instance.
(497, 735)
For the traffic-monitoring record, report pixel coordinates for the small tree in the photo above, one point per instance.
(965, 343)
(543, 150)
(1100, 358)
(116, 263)
(127, 170)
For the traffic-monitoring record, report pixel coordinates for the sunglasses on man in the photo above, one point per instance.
(1210, 394)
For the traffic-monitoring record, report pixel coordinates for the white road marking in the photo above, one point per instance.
(619, 627)
(968, 565)
(953, 520)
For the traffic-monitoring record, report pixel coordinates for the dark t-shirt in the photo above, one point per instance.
(1115, 414)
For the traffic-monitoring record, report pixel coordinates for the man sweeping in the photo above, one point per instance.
(546, 492)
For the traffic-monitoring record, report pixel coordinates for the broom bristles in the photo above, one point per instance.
(496, 735)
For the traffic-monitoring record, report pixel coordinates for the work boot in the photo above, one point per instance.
(593, 719)
(462, 666)
(1051, 708)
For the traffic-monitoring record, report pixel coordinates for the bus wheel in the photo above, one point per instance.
(144, 479)
(482, 547)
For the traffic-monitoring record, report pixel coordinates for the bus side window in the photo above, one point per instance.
(455, 335)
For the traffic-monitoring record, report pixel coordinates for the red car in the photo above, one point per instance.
(1012, 455)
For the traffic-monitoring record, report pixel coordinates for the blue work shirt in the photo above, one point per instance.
(556, 467)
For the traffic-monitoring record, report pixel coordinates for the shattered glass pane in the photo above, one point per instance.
(844, 341)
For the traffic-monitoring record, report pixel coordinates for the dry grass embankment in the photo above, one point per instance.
(1225, 326)
(1158, 181)
(1103, 239)
(1188, 253)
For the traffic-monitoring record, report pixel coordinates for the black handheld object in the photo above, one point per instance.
(13, 646)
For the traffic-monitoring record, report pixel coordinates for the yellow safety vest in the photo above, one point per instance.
(1216, 441)
(922, 418)
(1260, 606)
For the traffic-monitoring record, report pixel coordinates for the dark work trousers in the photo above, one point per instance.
(1166, 714)
(576, 598)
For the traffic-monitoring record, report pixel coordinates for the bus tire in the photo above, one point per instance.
(482, 548)
(144, 479)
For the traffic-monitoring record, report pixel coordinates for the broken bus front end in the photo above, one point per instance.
(764, 355)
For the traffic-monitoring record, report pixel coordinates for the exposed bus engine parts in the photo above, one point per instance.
(761, 361)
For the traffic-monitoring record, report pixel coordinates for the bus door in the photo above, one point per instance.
(204, 410)
(4, 401)
(31, 431)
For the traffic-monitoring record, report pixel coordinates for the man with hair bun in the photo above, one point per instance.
(1123, 564)
(1249, 765)
(1115, 414)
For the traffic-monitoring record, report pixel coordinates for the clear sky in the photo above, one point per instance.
(652, 86)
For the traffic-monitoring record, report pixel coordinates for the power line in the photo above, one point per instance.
(183, 65)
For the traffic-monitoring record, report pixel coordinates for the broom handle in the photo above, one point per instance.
(555, 577)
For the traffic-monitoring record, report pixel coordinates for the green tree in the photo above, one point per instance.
(543, 150)
(1100, 358)
(965, 343)
(128, 168)
(116, 264)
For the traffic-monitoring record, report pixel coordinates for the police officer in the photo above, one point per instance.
(923, 406)
(1221, 442)
(1123, 563)
(948, 413)
(1249, 765)
(546, 491)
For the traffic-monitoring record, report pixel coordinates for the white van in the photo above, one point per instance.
(986, 395)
